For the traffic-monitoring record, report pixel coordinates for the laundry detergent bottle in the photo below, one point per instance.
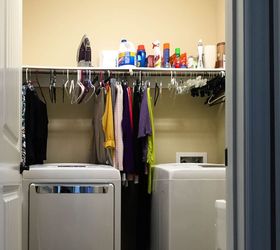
(141, 56)
(127, 55)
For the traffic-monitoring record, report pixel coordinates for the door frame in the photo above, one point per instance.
(249, 125)
(276, 52)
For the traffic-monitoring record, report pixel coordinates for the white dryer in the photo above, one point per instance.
(183, 206)
(71, 206)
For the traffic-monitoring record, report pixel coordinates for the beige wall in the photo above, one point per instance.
(221, 20)
(52, 29)
(186, 124)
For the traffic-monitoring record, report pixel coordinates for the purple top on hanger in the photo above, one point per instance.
(144, 121)
(128, 159)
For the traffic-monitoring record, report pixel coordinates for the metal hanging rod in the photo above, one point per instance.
(148, 71)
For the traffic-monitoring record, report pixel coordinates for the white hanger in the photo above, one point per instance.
(78, 90)
(67, 82)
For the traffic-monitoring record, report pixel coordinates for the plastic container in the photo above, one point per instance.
(210, 53)
(141, 56)
(108, 59)
(220, 55)
(127, 55)
(183, 60)
(177, 63)
(166, 55)
(200, 55)
(157, 55)
(192, 63)
(150, 61)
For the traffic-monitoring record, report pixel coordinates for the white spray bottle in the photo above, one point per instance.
(200, 54)
(157, 55)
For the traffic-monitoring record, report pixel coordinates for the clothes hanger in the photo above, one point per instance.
(63, 90)
(156, 93)
(41, 91)
(86, 83)
(79, 89)
(160, 88)
(67, 84)
(91, 87)
(52, 86)
(217, 100)
(88, 87)
(28, 82)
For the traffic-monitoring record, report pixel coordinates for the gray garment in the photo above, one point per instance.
(113, 91)
(100, 154)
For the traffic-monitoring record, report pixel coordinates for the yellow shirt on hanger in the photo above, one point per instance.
(108, 122)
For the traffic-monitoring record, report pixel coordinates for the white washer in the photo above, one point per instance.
(183, 205)
(71, 206)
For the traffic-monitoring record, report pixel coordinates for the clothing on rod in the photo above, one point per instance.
(100, 155)
(34, 126)
(123, 130)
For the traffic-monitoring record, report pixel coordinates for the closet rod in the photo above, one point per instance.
(143, 71)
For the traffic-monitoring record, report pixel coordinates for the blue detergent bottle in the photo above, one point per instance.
(141, 56)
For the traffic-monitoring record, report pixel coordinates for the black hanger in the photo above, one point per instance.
(156, 94)
(41, 91)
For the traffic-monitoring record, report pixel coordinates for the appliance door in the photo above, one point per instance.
(71, 216)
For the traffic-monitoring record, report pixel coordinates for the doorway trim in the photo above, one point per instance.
(248, 123)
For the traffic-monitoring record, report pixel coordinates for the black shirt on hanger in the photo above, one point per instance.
(36, 128)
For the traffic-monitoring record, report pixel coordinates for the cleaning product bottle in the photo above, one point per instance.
(141, 56)
(200, 54)
(127, 55)
(157, 56)
(183, 60)
(177, 62)
(166, 55)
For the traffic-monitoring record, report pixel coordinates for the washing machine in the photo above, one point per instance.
(183, 205)
(71, 206)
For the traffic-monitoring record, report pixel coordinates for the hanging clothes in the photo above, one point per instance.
(35, 127)
(137, 142)
(145, 128)
(118, 117)
(128, 158)
(23, 134)
(151, 158)
(113, 92)
(130, 102)
(100, 154)
(108, 121)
